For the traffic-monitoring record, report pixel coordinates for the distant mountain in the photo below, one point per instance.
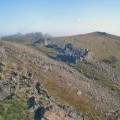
(24, 38)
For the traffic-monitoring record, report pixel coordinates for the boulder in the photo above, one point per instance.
(3, 57)
(1, 69)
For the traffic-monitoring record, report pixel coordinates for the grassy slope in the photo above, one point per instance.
(13, 108)
(103, 46)
(98, 77)
(82, 104)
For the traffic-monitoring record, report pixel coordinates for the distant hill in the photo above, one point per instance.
(102, 44)
(24, 38)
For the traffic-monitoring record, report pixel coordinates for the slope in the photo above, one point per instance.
(67, 85)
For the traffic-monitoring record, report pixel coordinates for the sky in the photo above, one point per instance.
(59, 17)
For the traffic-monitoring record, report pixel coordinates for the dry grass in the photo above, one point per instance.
(66, 94)
(103, 46)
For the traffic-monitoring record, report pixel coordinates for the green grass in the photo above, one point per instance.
(67, 96)
(14, 109)
(48, 51)
(7, 70)
(115, 65)
(98, 77)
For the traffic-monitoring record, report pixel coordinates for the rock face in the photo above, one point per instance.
(71, 54)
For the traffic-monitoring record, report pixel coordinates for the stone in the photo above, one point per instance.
(2, 63)
(79, 93)
(118, 117)
(3, 57)
(39, 114)
(1, 69)
(15, 73)
(31, 102)
(38, 88)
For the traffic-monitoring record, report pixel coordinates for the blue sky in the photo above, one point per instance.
(59, 17)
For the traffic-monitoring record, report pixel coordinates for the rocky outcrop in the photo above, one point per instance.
(71, 54)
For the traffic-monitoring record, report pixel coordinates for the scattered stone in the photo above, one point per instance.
(79, 93)
(15, 73)
(30, 73)
(1, 69)
(2, 63)
(3, 57)
(32, 102)
(38, 88)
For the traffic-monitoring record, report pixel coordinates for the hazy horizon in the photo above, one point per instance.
(59, 18)
(65, 35)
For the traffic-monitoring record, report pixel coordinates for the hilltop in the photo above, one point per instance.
(26, 38)
(103, 44)
(88, 84)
